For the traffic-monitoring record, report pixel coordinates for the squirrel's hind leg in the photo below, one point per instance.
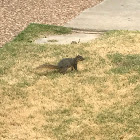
(63, 70)
(72, 68)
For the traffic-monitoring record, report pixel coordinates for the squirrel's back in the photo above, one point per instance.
(66, 62)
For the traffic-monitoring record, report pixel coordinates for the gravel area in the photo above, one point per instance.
(15, 15)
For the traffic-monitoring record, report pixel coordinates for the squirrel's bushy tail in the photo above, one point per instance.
(46, 65)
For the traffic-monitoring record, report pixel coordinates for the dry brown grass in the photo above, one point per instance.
(93, 103)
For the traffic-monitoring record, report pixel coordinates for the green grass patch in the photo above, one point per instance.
(125, 63)
(34, 30)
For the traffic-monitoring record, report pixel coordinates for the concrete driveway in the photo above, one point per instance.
(109, 15)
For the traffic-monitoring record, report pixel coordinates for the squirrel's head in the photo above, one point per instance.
(79, 58)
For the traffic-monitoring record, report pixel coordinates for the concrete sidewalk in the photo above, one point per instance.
(109, 15)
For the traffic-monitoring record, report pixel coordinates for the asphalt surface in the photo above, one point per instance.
(109, 15)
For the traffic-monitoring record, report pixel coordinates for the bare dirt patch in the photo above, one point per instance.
(73, 38)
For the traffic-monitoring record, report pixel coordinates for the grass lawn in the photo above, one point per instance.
(99, 102)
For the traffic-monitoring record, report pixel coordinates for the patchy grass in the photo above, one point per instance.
(35, 30)
(99, 102)
(125, 63)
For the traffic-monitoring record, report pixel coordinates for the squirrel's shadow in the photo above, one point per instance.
(54, 74)
(46, 73)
